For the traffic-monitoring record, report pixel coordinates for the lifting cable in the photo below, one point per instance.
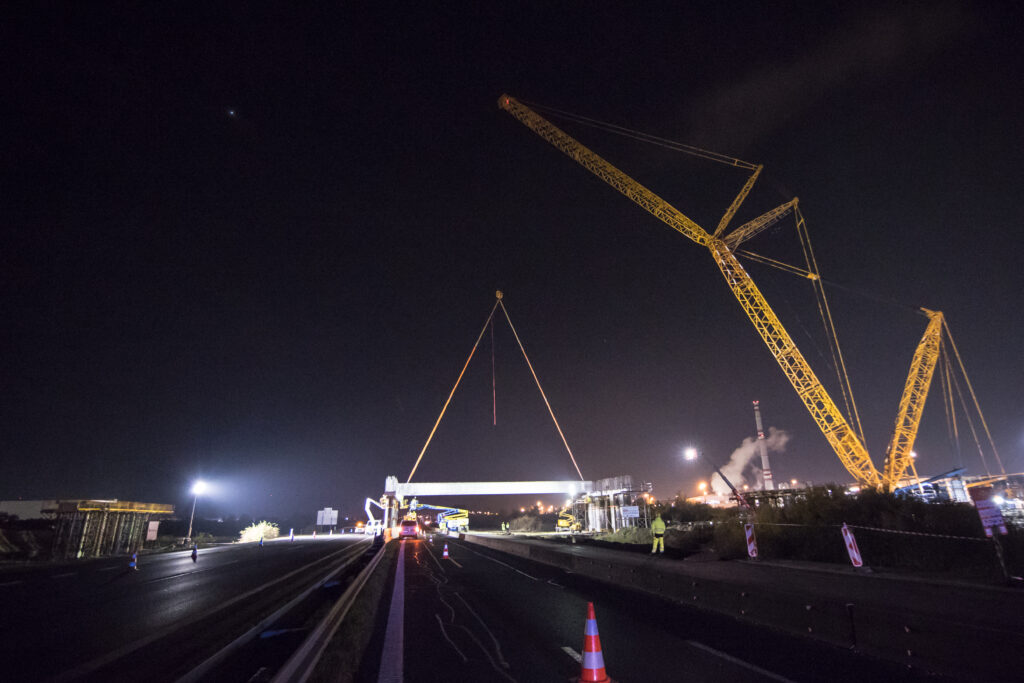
(432, 431)
(826, 319)
(490, 323)
(543, 395)
(974, 398)
(494, 380)
(952, 428)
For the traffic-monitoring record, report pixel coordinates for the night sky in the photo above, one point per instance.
(256, 245)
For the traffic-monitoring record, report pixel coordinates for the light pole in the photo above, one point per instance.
(197, 488)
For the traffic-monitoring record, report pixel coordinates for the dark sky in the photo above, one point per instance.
(280, 299)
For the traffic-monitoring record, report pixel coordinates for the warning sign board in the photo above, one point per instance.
(851, 547)
(751, 541)
(989, 512)
(630, 511)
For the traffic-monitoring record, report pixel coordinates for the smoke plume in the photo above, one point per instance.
(741, 458)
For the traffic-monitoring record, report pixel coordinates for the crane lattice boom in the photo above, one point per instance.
(922, 368)
(844, 441)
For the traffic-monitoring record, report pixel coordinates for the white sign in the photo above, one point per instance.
(630, 511)
(326, 517)
(151, 532)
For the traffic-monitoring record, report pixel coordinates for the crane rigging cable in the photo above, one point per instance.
(825, 313)
(543, 395)
(490, 323)
(846, 440)
(449, 400)
(646, 137)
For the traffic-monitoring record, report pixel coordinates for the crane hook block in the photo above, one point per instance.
(499, 294)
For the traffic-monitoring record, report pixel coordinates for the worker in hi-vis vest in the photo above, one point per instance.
(658, 529)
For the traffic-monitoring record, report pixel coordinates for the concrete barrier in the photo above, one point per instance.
(878, 626)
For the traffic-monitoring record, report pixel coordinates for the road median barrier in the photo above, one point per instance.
(911, 621)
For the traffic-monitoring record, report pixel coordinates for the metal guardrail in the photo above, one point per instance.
(303, 662)
(201, 672)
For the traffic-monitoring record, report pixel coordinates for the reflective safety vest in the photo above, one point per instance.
(658, 525)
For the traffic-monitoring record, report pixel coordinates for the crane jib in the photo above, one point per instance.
(830, 420)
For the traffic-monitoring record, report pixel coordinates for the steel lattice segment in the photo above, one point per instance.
(605, 170)
(851, 452)
(922, 369)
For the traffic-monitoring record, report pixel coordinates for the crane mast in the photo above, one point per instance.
(844, 441)
(922, 368)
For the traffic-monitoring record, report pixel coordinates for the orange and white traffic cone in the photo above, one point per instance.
(592, 670)
(444, 555)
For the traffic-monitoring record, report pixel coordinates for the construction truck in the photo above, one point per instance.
(452, 520)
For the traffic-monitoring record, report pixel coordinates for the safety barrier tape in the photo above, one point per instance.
(873, 528)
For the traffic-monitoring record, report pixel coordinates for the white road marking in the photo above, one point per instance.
(82, 670)
(109, 569)
(392, 664)
(11, 583)
(739, 662)
(572, 653)
(488, 557)
(63, 576)
(436, 561)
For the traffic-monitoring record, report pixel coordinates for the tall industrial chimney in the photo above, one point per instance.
(766, 470)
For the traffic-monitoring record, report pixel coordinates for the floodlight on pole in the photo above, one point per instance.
(690, 453)
(198, 489)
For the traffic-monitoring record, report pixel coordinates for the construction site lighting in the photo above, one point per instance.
(703, 486)
(998, 500)
(690, 453)
(198, 488)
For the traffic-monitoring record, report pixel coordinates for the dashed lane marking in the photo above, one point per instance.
(488, 557)
(572, 653)
(11, 583)
(739, 662)
(109, 569)
(63, 576)
(436, 561)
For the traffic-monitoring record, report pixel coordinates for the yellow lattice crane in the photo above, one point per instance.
(898, 456)
(847, 445)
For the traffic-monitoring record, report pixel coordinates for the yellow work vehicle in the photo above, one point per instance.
(566, 523)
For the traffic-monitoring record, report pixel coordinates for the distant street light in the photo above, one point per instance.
(703, 486)
(198, 488)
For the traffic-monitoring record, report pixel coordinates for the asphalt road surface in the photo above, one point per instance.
(484, 615)
(99, 620)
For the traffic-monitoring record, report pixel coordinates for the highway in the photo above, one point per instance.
(99, 620)
(486, 615)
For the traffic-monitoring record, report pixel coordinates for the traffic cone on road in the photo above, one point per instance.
(444, 555)
(134, 564)
(592, 669)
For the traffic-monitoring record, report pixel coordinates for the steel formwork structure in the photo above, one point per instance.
(93, 528)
